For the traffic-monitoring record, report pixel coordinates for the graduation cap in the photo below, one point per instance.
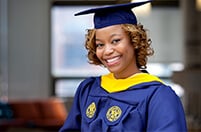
(112, 15)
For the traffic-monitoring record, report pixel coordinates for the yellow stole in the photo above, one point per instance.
(111, 84)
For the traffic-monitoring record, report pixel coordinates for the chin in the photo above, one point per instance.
(112, 70)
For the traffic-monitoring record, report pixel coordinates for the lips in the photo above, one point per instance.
(112, 61)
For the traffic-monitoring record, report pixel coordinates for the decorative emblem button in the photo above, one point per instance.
(91, 109)
(113, 113)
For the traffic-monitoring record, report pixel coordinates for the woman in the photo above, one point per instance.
(127, 99)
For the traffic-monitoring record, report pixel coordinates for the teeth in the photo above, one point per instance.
(113, 59)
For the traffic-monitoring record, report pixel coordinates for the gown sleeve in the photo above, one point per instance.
(165, 112)
(73, 121)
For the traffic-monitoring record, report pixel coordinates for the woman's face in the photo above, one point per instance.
(115, 51)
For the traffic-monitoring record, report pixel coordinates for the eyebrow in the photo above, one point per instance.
(115, 34)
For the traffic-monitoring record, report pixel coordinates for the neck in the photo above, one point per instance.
(124, 75)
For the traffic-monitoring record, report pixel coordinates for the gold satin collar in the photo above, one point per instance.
(111, 84)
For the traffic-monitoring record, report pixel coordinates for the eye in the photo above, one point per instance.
(115, 41)
(99, 45)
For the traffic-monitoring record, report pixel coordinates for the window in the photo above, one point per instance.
(68, 54)
(69, 57)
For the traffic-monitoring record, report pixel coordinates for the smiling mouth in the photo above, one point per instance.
(112, 61)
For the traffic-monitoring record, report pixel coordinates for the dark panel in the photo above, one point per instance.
(160, 3)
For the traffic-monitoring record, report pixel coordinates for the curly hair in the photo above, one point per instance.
(138, 38)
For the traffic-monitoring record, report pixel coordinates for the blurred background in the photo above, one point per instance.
(43, 59)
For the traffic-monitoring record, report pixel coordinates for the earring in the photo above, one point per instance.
(136, 47)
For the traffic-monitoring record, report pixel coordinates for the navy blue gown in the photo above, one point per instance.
(146, 106)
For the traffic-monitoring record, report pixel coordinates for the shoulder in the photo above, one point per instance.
(165, 91)
(165, 108)
(87, 83)
(165, 97)
(160, 90)
(89, 80)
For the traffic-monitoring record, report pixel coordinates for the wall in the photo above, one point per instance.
(28, 49)
(190, 77)
(165, 27)
(28, 63)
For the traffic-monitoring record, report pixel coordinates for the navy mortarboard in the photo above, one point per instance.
(112, 15)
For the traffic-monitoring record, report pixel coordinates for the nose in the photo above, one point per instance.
(109, 49)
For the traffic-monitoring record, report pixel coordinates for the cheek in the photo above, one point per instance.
(127, 48)
(131, 52)
(98, 54)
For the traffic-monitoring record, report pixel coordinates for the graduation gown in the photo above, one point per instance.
(142, 103)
